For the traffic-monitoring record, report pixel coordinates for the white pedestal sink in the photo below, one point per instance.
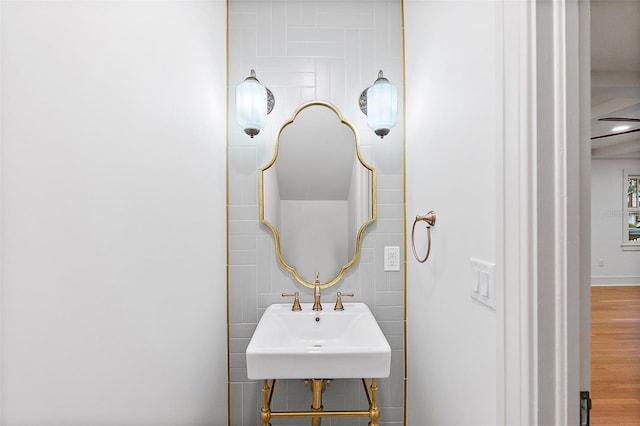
(318, 345)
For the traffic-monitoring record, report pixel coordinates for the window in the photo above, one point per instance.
(631, 222)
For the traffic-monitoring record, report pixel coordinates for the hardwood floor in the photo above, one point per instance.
(615, 356)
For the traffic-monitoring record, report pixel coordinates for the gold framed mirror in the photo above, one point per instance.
(317, 194)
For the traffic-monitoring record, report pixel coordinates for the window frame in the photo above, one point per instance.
(627, 244)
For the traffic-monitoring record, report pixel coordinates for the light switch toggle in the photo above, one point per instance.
(483, 277)
(483, 282)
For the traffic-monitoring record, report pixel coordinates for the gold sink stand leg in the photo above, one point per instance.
(317, 387)
(267, 394)
(374, 410)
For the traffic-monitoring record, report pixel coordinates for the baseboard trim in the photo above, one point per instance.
(614, 280)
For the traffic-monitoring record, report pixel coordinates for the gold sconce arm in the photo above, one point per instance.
(430, 219)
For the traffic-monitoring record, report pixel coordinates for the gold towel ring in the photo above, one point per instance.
(430, 218)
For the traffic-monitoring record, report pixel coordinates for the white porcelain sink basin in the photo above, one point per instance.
(341, 344)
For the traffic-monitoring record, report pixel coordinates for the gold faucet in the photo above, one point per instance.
(316, 294)
(339, 306)
(296, 300)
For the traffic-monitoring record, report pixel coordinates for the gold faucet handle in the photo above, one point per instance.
(339, 306)
(296, 300)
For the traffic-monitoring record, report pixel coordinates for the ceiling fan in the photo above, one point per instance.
(619, 119)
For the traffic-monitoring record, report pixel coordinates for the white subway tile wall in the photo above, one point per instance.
(307, 50)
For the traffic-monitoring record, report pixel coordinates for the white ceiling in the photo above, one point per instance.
(615, 75)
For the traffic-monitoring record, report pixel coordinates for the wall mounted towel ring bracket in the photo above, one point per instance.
(430, 218)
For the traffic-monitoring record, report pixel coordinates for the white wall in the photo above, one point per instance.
(452, 124)
(113, 213)
(618, 267)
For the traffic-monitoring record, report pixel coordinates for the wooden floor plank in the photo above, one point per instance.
(615, 356)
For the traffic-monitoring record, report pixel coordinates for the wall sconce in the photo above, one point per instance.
(253, 103)
(379, 102)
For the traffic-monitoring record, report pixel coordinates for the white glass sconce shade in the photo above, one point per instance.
(253, 103)
(380, 104)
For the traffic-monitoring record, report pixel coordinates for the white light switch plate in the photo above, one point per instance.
(483, 287)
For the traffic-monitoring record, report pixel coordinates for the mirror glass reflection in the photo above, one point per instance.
(317, 195)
